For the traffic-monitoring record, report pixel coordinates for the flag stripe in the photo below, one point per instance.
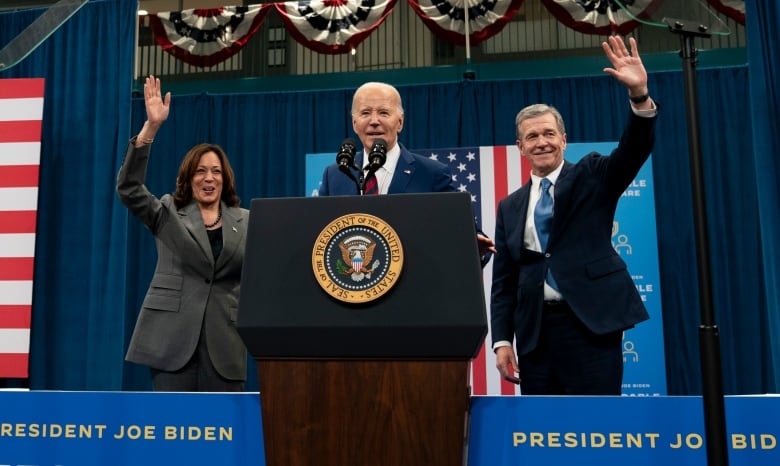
(14, 365)
(18, 198)
(16, 268)
(478, 372)
(14, 340)
(21, 109)
(17, 221)
(20, 153)
(21, 88)
(20, 131)
(15, 292)
(19, 176)
(15, 316)
(17, 245)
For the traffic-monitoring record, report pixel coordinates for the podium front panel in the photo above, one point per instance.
(435, 309)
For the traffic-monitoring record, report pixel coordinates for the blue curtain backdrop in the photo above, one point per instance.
(94, 262)
(78, 313)
(763, 50)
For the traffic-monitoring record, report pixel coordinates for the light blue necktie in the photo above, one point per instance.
(543, 220)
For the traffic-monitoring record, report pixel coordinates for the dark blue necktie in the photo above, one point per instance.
(543, 220)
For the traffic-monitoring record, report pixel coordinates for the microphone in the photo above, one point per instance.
(378, 155)
(346, 155)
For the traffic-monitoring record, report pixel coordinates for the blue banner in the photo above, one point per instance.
(149, 429)
(130, 428)
(599, 431)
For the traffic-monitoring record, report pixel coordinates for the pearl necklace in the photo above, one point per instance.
(219, 217)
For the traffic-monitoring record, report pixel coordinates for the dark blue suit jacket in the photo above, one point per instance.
(591, 276)
(413, 174)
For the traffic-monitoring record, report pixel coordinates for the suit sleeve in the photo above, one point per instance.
(323, 190)
(131, 188)
(503, 299)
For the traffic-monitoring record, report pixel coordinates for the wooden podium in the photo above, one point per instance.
(382, 382)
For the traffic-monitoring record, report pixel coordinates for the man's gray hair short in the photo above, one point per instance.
(537, 110)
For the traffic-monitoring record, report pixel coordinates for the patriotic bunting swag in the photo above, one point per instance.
(333, 26)
(734, 9)
(205, 37)
(448, 19)
(602, 17)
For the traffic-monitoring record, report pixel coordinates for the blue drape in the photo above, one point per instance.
(763, 49)
(94, 263)
(78, 335)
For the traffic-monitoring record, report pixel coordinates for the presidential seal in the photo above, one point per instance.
(357, 258)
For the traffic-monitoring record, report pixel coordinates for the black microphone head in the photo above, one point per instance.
(378, 154)
(346, 154)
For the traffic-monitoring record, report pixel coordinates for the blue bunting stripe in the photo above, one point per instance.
(333, 26)
(205, 37)
(446, 19)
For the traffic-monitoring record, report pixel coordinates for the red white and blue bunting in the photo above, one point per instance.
(734, 9)
(603, 17)
(447, 19)
(205, 37)
(333, 26)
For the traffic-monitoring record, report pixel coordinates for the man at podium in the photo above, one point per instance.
(377, 119)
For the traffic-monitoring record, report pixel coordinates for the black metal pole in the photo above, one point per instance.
(709, 344)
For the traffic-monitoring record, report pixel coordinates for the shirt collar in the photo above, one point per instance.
(552, 176)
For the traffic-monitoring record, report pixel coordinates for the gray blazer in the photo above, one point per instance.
(189, 290)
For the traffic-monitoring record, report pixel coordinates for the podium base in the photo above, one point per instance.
(364, 412)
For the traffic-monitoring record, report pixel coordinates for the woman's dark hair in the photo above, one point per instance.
(189, 165)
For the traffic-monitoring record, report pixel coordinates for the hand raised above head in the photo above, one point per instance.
(626, 67)
(157, 106)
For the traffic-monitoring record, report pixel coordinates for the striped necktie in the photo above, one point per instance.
(372, 187)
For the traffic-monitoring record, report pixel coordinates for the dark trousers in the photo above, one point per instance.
(570, 359)
(198, 375)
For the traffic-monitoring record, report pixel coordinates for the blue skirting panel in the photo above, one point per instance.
(131, 428)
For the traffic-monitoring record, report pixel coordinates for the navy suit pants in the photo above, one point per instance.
(569, 359)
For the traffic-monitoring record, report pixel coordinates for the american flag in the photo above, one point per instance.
(489, 173)
(21, 111)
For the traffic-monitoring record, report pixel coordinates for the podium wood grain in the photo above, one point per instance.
(364, 412)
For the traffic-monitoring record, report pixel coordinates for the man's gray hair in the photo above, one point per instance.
(537, 110)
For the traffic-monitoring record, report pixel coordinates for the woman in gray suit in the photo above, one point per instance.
(186, 330)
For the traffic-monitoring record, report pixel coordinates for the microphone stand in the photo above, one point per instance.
(709, 346)
(362, 183)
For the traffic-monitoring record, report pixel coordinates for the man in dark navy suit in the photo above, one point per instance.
(560, 290)
(377, 113)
